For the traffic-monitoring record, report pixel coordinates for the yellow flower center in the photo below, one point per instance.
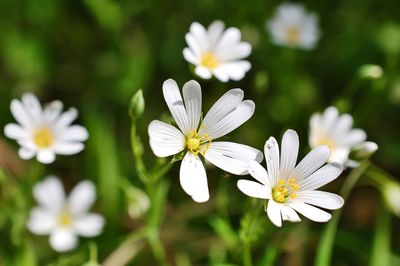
(194, 142)
(209, 60)
(293, 35)
(327, 142)
(284, 190)
(43, 137)
(65, 219)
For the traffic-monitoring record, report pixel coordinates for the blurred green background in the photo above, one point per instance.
(95, 54)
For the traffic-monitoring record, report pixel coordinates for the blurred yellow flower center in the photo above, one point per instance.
(65, 219)
(209, 60)
(327, 142)
(293, 35)
(43, 137)
(194, 142)
(285, 189)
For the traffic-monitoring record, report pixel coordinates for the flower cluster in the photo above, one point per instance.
(45, 132)
(287, 187)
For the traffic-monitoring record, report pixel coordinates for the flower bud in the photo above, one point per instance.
(136, 107)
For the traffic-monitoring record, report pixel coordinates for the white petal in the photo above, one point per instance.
(259, 173)
(340, 155)
(240, 114)
(200, 36)
(313, 160)
(354, 137)
(46, 156)
(194, 45)
(221, 74)
(49, 193)
(215, 31)
(165, 140)
(254, 189)
(221, 108)
(271, 150)
(315, 130)
(289, 151)
(21, 114)
(344, 124)
(321, 199)
(192, 97)
(193, 178)
(41, 221)
(274, 213)
(52, 111)
(330, 118)
(235, 52)
(82, 197)
(311, 212)
(189, 56)
(68, 148)
(74, 133)
(89, 225)
(229, 37)
(232, 157)
(233, 70)
(33, 107)
(14, 131)
(175, 104)
(203, 72)
(322, 176)
(25, 153)
(288, 214)
(62, 240)
(66, 118)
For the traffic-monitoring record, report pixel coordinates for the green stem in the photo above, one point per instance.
(247, 260)
(325, 247)
(247, 226)
(137, 150)
(381, 243)
(157, 191)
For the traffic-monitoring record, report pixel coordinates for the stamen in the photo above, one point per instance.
(285, 190)
(196, 143)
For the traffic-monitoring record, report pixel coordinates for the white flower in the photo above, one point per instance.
(217, 52)
(336, 132)
(64, 218)
(292, 26)
(196, 138)
(290, 188)
(46, 131)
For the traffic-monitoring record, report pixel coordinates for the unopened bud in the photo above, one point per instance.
(136, 107)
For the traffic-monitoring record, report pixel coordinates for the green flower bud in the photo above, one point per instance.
(136, 107)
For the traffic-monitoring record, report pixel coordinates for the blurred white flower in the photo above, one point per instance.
(64, 219)
(139, 202)
(290, 188)
(336, 132)
(292, 26)
(217, 52)
(46, 131)
(196, 138)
